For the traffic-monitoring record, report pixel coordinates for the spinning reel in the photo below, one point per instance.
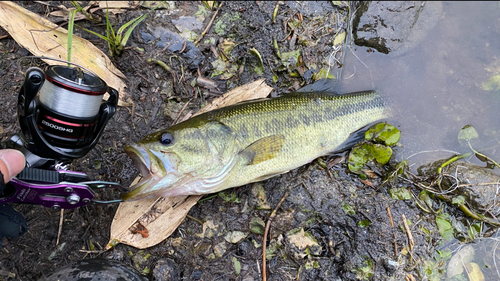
(62, 116)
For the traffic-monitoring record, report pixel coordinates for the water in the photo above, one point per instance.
(436, 88)
(436, 85)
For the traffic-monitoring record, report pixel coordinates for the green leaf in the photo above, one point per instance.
(444, 254)
(444, 226)
(290, 59)
(424, 196)
(382, 154)
(339, 39)
(366, 271)
(459, 200)
(474, 231)
(275, 45)
(237, 266)
(384, 133)
(492, 84)
(400, 193)
(323, 74)
(364, 223)
(257, 225)
(348, 209)
(310, 264)
(363, 153)
(467, 134)
(229, 197)
(357, 158)
(228, 47)
(220, 27)
(294, 23)
(260, 68)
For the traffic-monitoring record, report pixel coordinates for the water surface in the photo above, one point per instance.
(436, 85)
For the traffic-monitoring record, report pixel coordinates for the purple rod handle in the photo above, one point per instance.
(64, 195)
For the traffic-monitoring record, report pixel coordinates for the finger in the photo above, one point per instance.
(11, 163)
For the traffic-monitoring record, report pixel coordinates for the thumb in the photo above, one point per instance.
(11, 163)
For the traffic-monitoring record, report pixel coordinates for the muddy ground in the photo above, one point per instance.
(333, 206)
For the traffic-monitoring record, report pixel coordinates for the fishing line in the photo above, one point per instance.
(68, 102)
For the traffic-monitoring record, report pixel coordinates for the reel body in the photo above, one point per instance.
(61, 112)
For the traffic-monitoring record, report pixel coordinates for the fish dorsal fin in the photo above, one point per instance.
(263, 149)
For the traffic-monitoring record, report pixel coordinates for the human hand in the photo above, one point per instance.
(11, 163)
(12, 223)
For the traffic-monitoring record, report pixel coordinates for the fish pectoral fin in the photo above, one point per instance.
(263, 149)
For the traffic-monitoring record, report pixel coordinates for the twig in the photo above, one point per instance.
(409, 277)
(206, 83)
(390, 215)
(183, 47)
(195, 219)
(479, 183)
(307, 190)
(168, 45)
(180, 112)
(208, 26)
(268, 225)
(4, 36)
(60, 226)
(408, 233)
(92, 252)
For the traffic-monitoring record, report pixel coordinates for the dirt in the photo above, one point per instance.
(348, 219)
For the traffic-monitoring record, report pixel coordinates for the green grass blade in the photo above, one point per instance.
(110, 32)
(71, 22)
(133, 24)
(123, 27)
(109, 27)
(77, 6)
(92, 32)
(129, 31)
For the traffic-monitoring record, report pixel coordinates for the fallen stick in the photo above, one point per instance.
(268, 225)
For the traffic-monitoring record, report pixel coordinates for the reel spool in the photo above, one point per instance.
(61, 111)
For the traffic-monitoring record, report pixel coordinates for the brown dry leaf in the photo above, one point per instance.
(255, 90)
(41, 38)
(161, 216)
(368, 182)
(370, 174)
(118, 7)
(64, 14)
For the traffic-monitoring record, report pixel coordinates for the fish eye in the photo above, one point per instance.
(166, 139)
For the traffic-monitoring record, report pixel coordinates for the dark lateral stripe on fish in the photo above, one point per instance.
(321, 114)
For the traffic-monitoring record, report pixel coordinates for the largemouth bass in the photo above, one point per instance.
(248, 142)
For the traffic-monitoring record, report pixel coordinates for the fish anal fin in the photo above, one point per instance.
(265, 177)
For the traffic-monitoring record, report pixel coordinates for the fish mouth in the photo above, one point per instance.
(150, 167)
